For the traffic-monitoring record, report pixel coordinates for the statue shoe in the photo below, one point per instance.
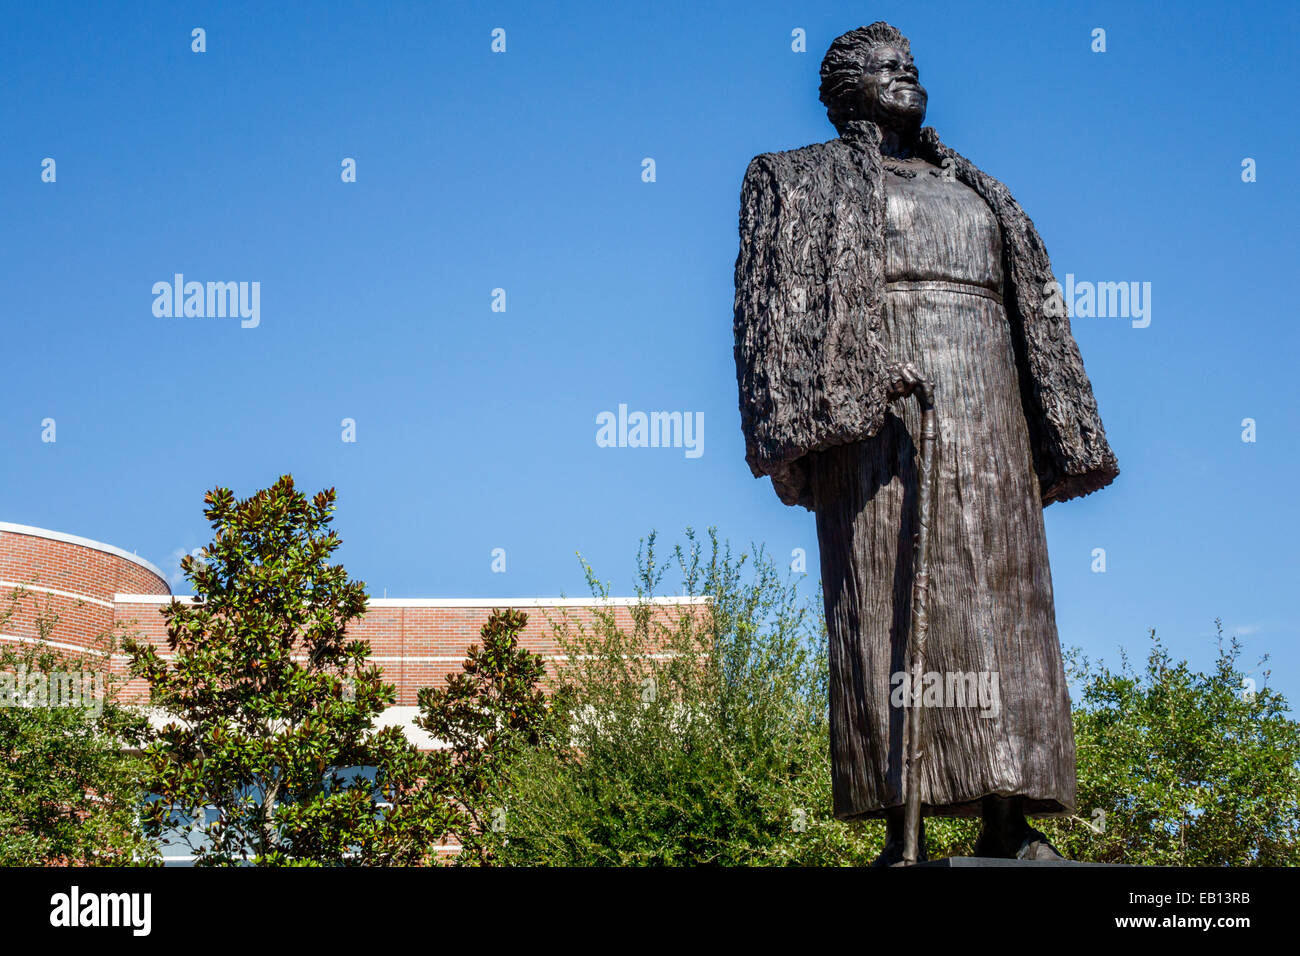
(1035, 847)
(892, 854)
(1031, 844)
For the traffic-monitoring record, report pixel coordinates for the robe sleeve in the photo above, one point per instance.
(806, 323)
(758, 312)
(1071, 453)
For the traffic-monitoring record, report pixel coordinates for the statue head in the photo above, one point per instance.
(868, 74)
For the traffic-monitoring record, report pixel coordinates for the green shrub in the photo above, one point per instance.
(702, 737)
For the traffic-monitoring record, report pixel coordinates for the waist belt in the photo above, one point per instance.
(939, 285)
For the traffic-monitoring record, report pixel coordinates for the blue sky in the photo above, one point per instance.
(475, 171)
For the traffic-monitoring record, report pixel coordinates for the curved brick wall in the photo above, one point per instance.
(72, 577)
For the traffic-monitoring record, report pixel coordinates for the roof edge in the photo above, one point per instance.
(12, 528)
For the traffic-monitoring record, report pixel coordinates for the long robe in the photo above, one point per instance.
(997, 714)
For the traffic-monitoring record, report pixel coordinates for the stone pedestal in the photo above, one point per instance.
(956, 862)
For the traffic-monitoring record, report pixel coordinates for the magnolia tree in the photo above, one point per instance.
(265, 748)
(485, 719)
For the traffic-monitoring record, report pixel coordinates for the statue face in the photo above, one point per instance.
(891, 93)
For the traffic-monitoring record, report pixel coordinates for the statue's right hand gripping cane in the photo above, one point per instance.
(905, 379)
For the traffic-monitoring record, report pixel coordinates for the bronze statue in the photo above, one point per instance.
(866, 262)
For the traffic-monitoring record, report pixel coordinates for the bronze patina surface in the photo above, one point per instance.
(884, 250)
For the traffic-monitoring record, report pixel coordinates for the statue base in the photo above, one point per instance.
(961, 862)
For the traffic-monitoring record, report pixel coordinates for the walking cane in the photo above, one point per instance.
(908, 381)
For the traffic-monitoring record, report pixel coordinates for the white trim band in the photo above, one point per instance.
(61, 645)
(485, 603)
(18, 585)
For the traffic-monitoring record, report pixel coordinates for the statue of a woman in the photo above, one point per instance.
(880, 250)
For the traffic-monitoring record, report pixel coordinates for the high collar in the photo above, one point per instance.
(865, 135)
(861, 134)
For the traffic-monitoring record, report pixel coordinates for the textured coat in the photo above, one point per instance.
(809, 289)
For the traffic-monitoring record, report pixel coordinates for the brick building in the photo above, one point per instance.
(94, 587)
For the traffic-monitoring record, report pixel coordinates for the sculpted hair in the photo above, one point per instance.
(842, 67)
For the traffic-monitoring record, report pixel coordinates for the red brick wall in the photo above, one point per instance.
(417, 645)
